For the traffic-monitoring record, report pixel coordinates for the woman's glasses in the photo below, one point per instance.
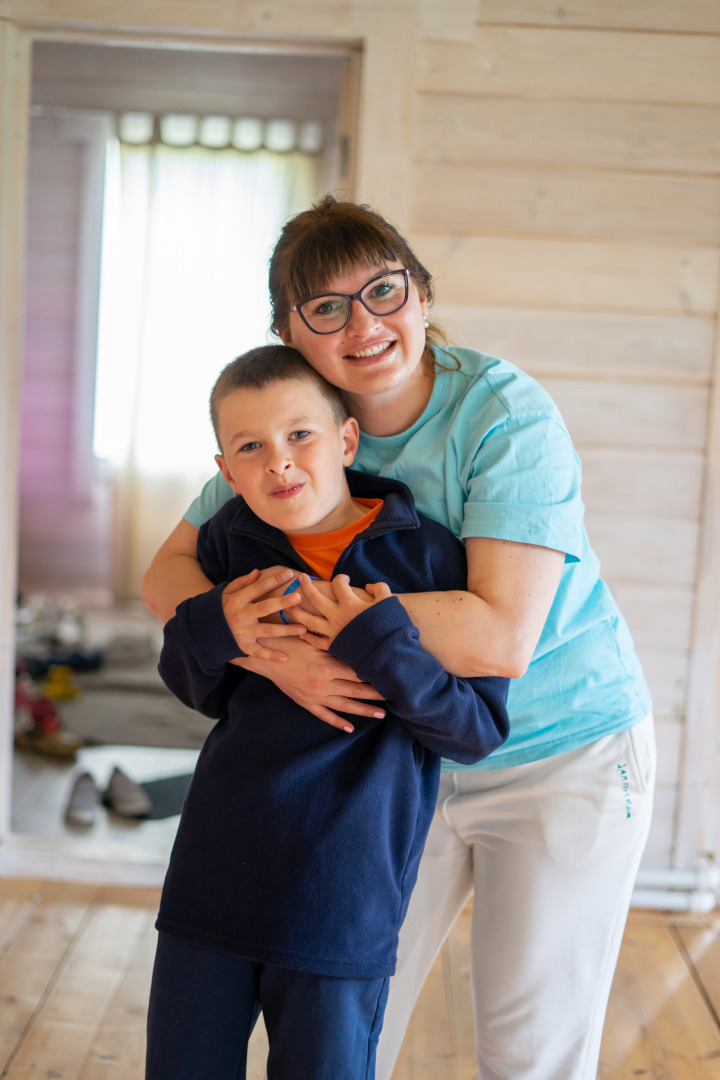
(381, 295)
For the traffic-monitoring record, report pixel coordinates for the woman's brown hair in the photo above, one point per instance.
(323, 242)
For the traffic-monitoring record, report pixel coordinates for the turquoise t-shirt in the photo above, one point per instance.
(491, 456)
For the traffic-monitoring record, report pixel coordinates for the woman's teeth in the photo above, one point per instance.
(373, 351)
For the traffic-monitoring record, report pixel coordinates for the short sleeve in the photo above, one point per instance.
(215, 494)
(525, 486)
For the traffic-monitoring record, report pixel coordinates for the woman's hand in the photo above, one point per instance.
(319, 683)
(336, 609)
(246, 601)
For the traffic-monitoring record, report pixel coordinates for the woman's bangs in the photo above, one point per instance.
(322, 259)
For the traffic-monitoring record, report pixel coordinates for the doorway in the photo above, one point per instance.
(68, 521)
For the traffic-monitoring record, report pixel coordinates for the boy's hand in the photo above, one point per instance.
(337, 610)
(244, 607)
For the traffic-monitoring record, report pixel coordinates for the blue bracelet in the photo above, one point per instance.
(291, 588)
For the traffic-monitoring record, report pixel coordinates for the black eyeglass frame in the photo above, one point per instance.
(355, 296)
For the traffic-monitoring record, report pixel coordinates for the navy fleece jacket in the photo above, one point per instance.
(299, 844)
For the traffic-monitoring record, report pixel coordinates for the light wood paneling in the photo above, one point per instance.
(380, 126)
(261, 24)
(636, 482)
(252, 22)
(691, 16)
(568, 134)
(666, 674)
(610, 346)
(659, 616)
(659, 848)
(654, 550)
(450, 20)
(590, 65)
(565, 274)
(699, 825)
(616, 414)
(499, 201)
(668, 735)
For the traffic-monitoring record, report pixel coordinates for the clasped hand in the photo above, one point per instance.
(313, 678)
(247, 600)
(333, 609)
(251, 604)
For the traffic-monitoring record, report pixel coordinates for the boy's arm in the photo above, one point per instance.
(462, 719)
(198, 645)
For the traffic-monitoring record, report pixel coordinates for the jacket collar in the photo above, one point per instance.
(398, 511)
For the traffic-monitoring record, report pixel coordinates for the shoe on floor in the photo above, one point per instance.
(126, 797)
(83, 802)
(52, 743)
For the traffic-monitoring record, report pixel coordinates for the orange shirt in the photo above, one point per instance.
(321, 551)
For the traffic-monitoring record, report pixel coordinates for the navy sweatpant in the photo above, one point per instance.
(204, 1004)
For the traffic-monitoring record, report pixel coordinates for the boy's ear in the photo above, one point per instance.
(351, 437)
(222, 466)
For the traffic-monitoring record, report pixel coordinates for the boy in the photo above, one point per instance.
(298, 844)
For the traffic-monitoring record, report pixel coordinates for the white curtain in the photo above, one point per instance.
(187, 235)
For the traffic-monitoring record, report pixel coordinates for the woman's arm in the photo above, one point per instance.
(319, 683)
(462, 719)
(494, 627)
(174, 574)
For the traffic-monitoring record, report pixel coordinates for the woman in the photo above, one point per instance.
(547, 832)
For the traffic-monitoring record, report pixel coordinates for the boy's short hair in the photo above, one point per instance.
(267, 364)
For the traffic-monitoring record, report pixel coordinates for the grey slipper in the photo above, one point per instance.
(126, 797)
(83, 802)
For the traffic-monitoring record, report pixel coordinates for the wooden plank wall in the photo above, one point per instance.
(559, 171)
(65, 535)
(566, 194)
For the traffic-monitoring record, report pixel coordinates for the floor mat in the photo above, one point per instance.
(167, 795)
(125, 715)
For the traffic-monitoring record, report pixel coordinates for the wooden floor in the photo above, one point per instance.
(75, 965)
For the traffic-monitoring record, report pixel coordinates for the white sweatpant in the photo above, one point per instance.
(551, 851)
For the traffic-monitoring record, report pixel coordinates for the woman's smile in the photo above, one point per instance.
(371, 351)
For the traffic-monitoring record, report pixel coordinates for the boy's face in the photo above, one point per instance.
(285, 453)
